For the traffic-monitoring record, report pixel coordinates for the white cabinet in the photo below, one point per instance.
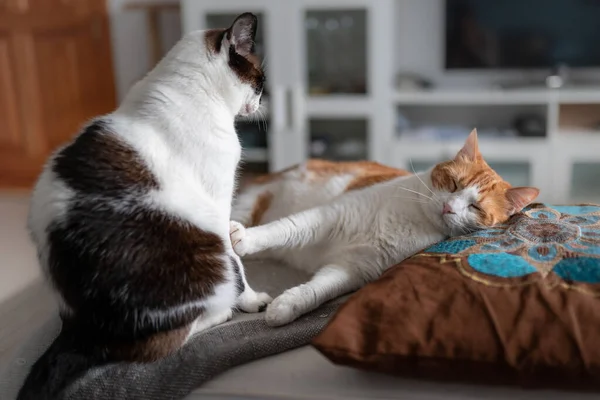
(331, 83)
(323, 89)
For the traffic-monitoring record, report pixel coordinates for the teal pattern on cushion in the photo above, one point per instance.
(580, 269)
(502, 264)
(543, 240)
(454, 246)
(576, 210)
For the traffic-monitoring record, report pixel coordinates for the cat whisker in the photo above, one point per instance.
(263, 119)
(415, 192)
(415, 200)
(419, 178)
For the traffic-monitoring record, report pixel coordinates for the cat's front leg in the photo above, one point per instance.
(248, 300)
(297, 230)
(328, 283)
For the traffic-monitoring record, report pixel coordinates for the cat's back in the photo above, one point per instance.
(96, 224)
(97, 166)
(311, 184)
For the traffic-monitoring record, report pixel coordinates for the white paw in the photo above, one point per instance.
(252, 302)
(283, 310)
(239, 239)
(228, 315)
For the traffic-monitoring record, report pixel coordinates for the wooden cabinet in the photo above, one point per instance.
(56, 72)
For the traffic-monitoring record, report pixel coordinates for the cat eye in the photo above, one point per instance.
(454, 186)
(475, 206)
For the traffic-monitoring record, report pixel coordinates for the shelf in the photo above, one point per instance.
(577, 96)
(495, 97)
(255, 155)
(578, 134)
(479, 97)
(338, 106)
(498, 149)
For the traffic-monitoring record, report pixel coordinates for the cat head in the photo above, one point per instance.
(234, 49)
(470, 195)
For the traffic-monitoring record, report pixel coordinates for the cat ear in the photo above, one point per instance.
(242, 34)
(470, 150)
(520, 197)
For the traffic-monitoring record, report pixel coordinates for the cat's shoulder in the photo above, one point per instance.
(99, 160)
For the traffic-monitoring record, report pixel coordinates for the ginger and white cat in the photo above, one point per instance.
(349, 222)
(131, 218)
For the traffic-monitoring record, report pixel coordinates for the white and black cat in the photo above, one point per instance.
(131, 219)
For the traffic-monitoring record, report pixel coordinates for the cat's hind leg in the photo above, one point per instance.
(206, 322)
(329, 282)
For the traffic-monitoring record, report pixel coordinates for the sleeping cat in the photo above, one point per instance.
(348, 222)
(131, 219)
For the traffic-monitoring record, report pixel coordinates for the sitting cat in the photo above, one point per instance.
(348, 222)
(131, 219)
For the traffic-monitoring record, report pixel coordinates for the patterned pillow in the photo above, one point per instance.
(559, 245)
(516, 304)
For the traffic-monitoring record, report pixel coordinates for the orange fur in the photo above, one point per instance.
(263, 202)
(366, 173)
(266, 178)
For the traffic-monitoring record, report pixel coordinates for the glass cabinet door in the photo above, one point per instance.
(332, 78)
(338, 139)
(335, 46)
(585, 182)
(336, 51)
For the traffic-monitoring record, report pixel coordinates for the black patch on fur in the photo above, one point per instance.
(117, 263)
(246, 70)
(239, 279)
(118, 270)
(214, 39)
(99, 163)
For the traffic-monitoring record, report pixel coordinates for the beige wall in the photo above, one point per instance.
(18, 263)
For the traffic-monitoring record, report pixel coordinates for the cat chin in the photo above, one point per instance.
(450, 227)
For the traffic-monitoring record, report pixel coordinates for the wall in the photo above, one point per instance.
(131, 50)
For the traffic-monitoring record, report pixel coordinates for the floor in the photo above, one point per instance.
(24, 300)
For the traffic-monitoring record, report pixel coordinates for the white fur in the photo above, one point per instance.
(346, 239)
(180, 120)
(48, 204)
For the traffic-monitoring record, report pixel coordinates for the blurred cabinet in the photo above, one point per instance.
(55, 73)
(322, 90)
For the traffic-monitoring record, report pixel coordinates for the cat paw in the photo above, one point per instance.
(251, 302)
(239, 238)
(283, 310)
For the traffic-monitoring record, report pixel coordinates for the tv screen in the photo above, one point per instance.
(511, 34)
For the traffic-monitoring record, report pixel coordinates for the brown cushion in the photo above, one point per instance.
(519, 304)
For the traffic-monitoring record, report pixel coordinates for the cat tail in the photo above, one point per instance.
(66, 360)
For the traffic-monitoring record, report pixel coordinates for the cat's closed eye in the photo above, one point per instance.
(475, 207)
(453, 186)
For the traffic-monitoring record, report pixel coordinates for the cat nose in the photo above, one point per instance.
(447, 209)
